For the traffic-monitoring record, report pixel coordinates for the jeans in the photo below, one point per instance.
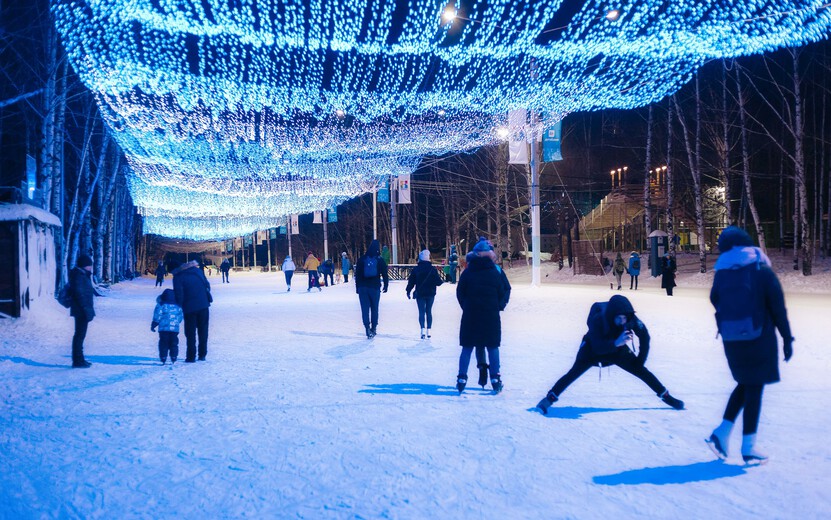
(288, 274)
(493, 355)
(425, 309)
(81, 325)
(622, 358)
(748, 397)
(330, 277)
(168, 343)
(369, 298)
(196, 322)
(225, 277)
(159, 281)
(633, 279)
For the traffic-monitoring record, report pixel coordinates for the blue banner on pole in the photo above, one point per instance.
(332, 215)
(272, 233)
(551, 143)
(229, 246)
(384, 191)
(283, 230)
(248, 240)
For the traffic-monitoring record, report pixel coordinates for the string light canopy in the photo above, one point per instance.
(214, 93)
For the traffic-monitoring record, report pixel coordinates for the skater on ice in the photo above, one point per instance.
(370, 269)
(612, 328)
(634, 269)
(483, 292)
(167, 316)
(288, 271)
(81, 308)
(345, 266)
(750, 307)
(423, 281)
(225, 268)
(312, 266)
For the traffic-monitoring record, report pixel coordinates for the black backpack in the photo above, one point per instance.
(636, 264)
(65, 296)
(370, 266)
(736, 304)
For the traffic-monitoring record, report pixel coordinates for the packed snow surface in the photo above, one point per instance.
(295, 414)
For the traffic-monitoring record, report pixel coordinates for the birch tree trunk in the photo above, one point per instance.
(647, 193)
(799, 168)
(746, 164)
(670, 198)
(696, 177)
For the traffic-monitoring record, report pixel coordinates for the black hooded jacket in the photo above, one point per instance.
(374, 251)
(603, 332)
(193, 291)
(80, 282)
(425, 279)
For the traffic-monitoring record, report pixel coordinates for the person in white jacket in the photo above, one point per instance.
(288, 269)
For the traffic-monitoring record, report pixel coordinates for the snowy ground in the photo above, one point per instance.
(297, 415)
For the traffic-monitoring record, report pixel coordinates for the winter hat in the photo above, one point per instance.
(424, 255)
(84, 261)
(483, 245)
(343, 254)
(374, 249)
(618, 305)
(168, 296)
(733, 236)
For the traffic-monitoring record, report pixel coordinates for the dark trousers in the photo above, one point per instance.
(749, 398)
(346, 277)
(425, 310)
(196, 322)
(369, 298)
(81, 325)
(225, 277)
(314, 280)
(493, 356)
(669, 291)
(453, 272)
(330, 277)
(633, 278)
(288, 274)
(159, 281)
(168, 343)
(622, 358)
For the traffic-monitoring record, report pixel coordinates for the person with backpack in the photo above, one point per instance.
(345, 266)
(328, 270)
(288, 271)
(423, 281)
(750, 308)
(311, 265)
(225, 268)
(634, 269)
(81, 307)
(370, 269)
(483, 292)
(668, 268)
(610, 341)
(167, 316)
(618, 269)
(160, 273)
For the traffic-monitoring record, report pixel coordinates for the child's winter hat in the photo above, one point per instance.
(84, 261)
(424, 255)
(343, 254)
(167, 296)
(483, 245)
(733, 236)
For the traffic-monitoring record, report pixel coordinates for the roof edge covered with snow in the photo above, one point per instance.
(26, 211)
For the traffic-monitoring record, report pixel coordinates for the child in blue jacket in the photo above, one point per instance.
(167, 316)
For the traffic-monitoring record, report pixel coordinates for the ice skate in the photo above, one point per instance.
(546, 402)
(428, 333)
(673, 402)
(423, 333)
(496, 384)
(715, 444)
(750, 455)
(461, 382)
(483, 375)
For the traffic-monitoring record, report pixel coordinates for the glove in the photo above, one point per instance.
(788, 348)
(153, 326)
(408, 296)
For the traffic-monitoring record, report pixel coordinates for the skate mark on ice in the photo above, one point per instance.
(32, 363)
(124, 360)
(577, 412)
(696, 472)
(419, 347)
(410, 389)
(351, 349)
(326, 334)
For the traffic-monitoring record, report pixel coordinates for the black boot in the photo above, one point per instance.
(673, 402)
(483, 374)
(547, 401)
(372, 330)
(368, 332)
(496, 383)
(461, 382)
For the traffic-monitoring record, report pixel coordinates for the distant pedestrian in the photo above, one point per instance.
(81, 308)
(345, 266)
(370, 269)
(328, 269)
(618, 269)
(312, 265)
(423, 281)
(385, 254)
(167, 316)
(750, 308)
(612, 329)
(453, 264)
(160, 273)
(193, 295)
(288, 270)
(483, 292)
(634, 269)
(225, 268)
(668, 268)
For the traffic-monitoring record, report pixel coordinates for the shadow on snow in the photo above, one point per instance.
(576, 412)
(30, 362)
(696, 472)
(409, 389)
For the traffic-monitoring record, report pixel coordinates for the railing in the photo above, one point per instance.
(402, 271)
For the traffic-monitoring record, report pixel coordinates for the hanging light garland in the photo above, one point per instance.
(258, 106)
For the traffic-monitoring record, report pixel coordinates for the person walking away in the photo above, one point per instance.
(750, 307)
(668, 268)
(453, 263)
(288, 270)
(619, 268)
(225, 267)
(385, 254)
(612, 328)
(328, 272)
(81, 307)
(345, 266)
(634, 269)
(483, 292)
(312, 265)
(167, 316)
(370, 269)
(423, 281)
(160, 273)
(193, 295)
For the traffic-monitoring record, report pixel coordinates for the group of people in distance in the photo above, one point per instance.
(746, 294)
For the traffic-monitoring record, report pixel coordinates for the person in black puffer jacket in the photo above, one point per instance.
(612, 328)
(745, 286)
(370, 269)
(483, 292)
(81, 308)
(193, 295)
(424, 278)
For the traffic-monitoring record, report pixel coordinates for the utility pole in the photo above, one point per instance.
(535, 203)
(394, 218)
(255, 242)
(288, 233)
(375, 211)
(325, 235)
(268, 245)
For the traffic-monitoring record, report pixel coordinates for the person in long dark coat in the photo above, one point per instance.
(668, 268)
(81, 308)
(483, 292)
(612, 328)
(368, 286)
(424, 279)
(193, 295)
(160, 273)
(753, 362)
(225, 268)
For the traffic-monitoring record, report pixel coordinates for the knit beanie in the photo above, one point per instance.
(733, 236)
(424, 255)
(84, 261)
(482, 245)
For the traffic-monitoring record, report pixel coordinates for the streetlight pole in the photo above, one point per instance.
(394, 219)
(534, 164)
